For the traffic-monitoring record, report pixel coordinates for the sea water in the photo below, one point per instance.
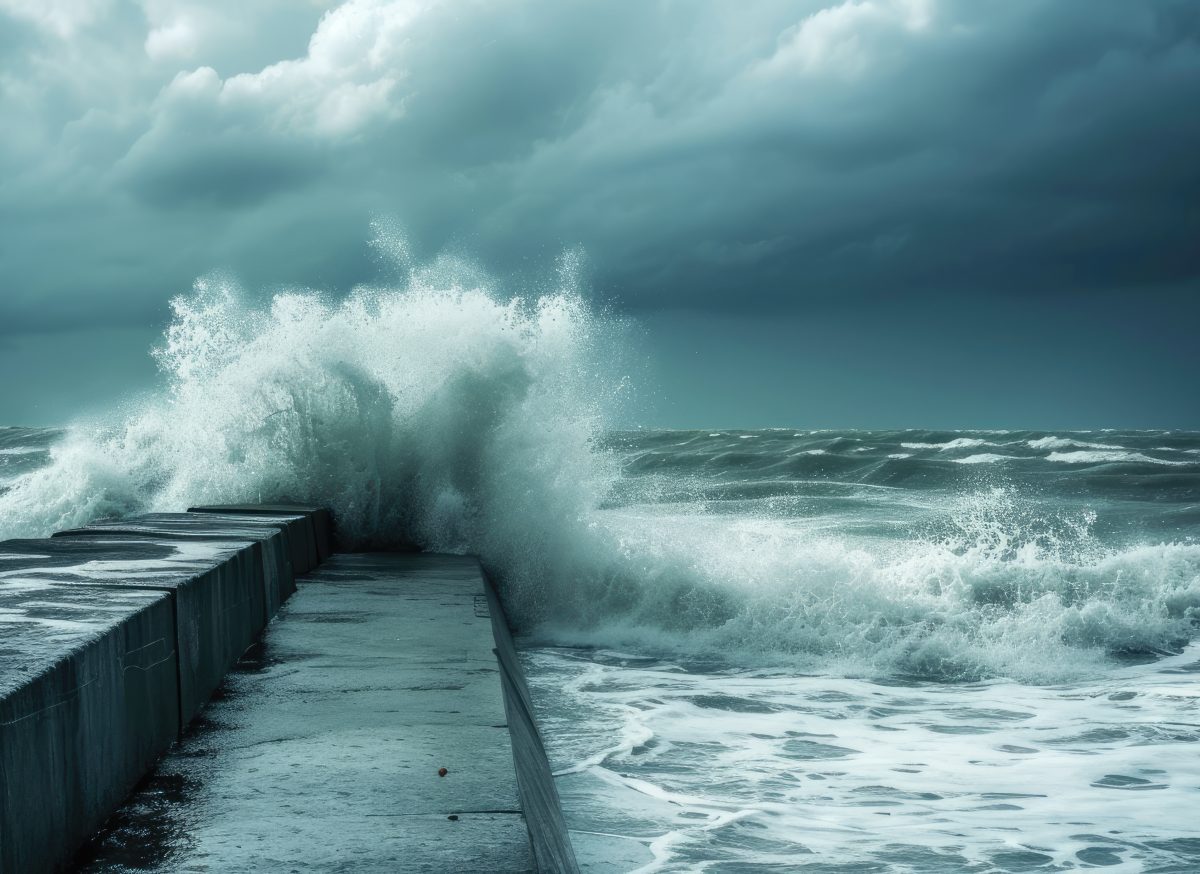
(750, 649)
(920, 651)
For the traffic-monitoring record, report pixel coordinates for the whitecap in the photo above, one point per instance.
(1053, 442)
(956, 443)
(1107, 457)
(965, 443)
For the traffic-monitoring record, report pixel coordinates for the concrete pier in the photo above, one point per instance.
(320, 751)
(323, 751)
(110, 642)
(284, 551)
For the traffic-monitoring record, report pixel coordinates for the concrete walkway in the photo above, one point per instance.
(322, 749)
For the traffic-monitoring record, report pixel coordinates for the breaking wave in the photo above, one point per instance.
(445, 412)
(1108, 456)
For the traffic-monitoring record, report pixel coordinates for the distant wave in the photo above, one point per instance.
(1052, 442)
(1108, 457)
(956, 443)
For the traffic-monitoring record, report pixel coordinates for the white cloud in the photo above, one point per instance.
(63, 18)
(177, 40)
(346, 81)
(849, 38)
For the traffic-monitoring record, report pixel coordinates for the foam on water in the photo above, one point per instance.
(956, 443)
(1054, 442)
(983, 458)
(670, 768)
(1108, 457)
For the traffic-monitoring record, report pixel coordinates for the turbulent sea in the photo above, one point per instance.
(898, 651)
(828, 651)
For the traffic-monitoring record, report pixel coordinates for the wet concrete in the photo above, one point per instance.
(273, 534)
(318, 520)
(321, 752)
(88, 701)
(111, 639)
(216, 588)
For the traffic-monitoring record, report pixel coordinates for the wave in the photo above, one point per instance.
(956, 443)
(437, 410)
(1108, 457)
(1004, 591)
(444, 412)
(983, 458)
(1053, 442)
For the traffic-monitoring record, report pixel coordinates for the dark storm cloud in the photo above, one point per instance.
(774, 157)
(225, 174)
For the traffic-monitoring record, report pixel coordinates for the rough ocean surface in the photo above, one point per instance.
(930, 651)
(753, 650)
(878, 651)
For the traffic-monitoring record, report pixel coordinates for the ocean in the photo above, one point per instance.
(751, 650)
(896, 651)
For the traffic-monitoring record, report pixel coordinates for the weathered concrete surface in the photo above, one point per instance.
(88, 701)
(322, 752)
(298, 528)
(318, 519)
(279, 578)
(216, 588)
(548, 834)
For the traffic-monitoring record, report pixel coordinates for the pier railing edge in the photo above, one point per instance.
(540, 803)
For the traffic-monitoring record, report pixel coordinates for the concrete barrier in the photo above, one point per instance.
(298, 530)
(279, 576)
(112, 637)
(376, 733)
(88, 701)
(216, 591)
(318, 519)
(548, 835)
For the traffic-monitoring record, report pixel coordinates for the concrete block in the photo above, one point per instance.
(216, 587)
(313, 524)
(278, 575)
(89, 698)
(324, 752)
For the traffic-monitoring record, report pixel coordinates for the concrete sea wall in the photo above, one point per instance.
(115, 635)
(548, 836)
(112, 637)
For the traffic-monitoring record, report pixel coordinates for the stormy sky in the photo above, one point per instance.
(872, 213)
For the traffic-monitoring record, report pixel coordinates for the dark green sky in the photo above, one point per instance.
(873, 213)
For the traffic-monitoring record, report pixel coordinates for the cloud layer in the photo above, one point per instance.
(774, 157)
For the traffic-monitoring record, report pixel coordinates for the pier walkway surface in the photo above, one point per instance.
(322, 749)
